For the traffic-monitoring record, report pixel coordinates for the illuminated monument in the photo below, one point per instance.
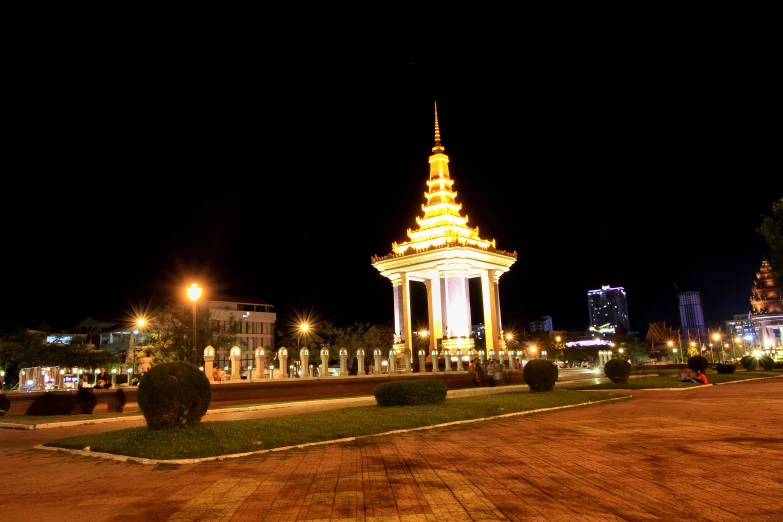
(767, 312)
(444, 253)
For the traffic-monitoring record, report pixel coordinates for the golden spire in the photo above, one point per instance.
(438, 147)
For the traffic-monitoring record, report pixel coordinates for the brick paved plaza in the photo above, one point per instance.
(710, 453)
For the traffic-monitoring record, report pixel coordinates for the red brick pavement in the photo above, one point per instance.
(711, 453)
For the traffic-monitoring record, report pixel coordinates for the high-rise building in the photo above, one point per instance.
(741, 326)
(542, 325)
(608, 309)
(692, 316)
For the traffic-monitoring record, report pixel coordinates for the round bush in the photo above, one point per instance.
(174, 395)
(411, 393)
(748, 362)
(540, 375)
(698, 363)
(726, 368)
(618, 370)
(767, 362)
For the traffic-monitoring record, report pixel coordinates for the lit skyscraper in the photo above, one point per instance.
(608, 309)
(692, 316)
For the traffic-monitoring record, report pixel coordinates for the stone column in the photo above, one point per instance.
(481, 356)
(455, 301)
(434, 354)
(422, 361)
(343, 362)
(459, 360)
(434, 309)
(282, 354)
(235, 355)
(258, 374)
(447, 359)
(392, 361)
(491, 330)
(304, 359)
(406, 311)
(510, 359)
(113, 378)
(490, 354)
(496, 280)
(324, 363)
(407, 359)
(398, 313)
(209, 357)
(360, 357)
(471, 354)
(377, 356)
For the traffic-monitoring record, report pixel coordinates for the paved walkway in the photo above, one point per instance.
(707, 453)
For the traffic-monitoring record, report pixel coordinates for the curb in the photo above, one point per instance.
(141, 460)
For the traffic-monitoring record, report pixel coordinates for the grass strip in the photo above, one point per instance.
(672, 381)
(209, 439)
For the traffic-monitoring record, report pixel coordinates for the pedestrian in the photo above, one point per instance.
(480, 373)
(491, 372)
(498, 375)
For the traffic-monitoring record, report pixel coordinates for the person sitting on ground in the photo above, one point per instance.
(103, 380)
(702, 377)
(217, 374)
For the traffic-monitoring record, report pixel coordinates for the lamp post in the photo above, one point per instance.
(716, 338)
(670, 343)
(194, 292)
(737, 340)
(302, 329)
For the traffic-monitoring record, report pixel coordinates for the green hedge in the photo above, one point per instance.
(174, 395)
(618, 370)
(748, 362)
(726, 368)
(411, 393)
(767, 362)
(698, 363)
(540, 375)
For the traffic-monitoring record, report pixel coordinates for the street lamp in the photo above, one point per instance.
(716, 338)
(194, 292)
(670, 343)
(533, 351)
(302, 329)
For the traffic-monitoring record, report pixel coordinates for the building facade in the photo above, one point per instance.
(608, 308)
(257, 324)
(742, 326)
(767, 308)
(542, 325)
(692, 317)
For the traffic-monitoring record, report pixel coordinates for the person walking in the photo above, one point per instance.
(480, 373)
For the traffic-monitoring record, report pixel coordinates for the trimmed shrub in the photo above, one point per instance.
(540, 375)
(748, 362)
(726, 368)
(411, 393)
(767, 362)
(174, 395)
(618, 370)
(698, 363)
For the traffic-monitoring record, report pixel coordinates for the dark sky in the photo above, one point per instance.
(642, 169)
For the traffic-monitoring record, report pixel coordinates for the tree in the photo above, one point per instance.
(175, 342)
(19, 348)
(772, 230)
(635, 350)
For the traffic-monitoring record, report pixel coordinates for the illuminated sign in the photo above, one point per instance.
(589, 342)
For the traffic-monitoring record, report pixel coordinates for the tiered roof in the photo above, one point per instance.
(766, 296)
(443, 224)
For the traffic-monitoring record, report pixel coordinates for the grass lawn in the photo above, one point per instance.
(208, 439)
(671, 380)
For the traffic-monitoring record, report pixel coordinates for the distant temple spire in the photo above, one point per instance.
(438, 146)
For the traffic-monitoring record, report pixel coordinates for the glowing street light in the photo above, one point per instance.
(533, 350)
(194, 292)
(302, 329)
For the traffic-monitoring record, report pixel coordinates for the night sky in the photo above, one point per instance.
(650, 174)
